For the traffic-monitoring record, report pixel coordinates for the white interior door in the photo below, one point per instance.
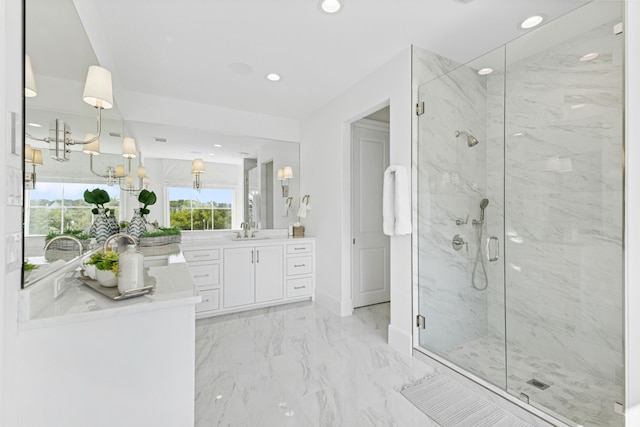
(370, 249)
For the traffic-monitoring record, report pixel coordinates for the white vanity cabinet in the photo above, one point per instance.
(252, 275)
(205, 266)
(235, 276)
(300, 257)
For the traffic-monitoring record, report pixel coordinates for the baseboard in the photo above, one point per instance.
(400, 340)
(328, 302)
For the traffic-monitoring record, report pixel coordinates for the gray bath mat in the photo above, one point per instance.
(452, 405)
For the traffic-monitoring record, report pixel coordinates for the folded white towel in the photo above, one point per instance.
(396, 204)
(302, 211)
(304, 207)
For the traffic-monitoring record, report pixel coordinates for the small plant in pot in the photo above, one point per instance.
(106, 268)
(104, 224)
(84, 238)
(138, 223)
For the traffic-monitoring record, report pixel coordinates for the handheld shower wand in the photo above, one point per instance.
(479, 261)
(483, 205)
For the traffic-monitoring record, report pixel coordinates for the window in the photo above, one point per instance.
(54, 207)
(210, 209)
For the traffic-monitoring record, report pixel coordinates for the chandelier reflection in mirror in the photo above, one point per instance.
(98, 93)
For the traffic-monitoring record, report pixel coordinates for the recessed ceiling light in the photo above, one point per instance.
(34, 125)
(576, 106)
(518, 134)
(330, 6)
(485, 71)
(531, 22)
(273, 77)
(217, 145)
(589, 57)
(211, 154)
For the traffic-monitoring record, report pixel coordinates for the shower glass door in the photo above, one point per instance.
(460, 224)
(564, 216)
(519, 251)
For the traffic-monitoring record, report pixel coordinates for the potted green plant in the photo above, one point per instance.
(67, 245)
(104, 225)
(106, 268)
(138, 223)
(160, 236)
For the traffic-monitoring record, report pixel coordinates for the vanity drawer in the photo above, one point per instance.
(299, 287)
(202, 255)
(210, 300)
(299, 265)
(300, 248)
(205, 275)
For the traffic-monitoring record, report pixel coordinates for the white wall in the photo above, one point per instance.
(325, 167)
(10, 93)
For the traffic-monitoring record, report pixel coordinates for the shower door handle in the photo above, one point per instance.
(493, 243)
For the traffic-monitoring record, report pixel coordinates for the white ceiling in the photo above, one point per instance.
(186, 49)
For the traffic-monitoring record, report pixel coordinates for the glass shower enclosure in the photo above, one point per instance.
(519, 250)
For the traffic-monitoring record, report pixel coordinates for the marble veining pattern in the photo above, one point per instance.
(299, 365)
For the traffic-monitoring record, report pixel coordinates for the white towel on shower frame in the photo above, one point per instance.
(396, 205)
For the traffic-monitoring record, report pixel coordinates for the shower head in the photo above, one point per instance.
(471, 140)
(483, 205)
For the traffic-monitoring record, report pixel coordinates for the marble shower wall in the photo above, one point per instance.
(451, 183)
(550, 162)
(564, 205)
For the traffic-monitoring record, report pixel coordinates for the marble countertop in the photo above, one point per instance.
(174, 286)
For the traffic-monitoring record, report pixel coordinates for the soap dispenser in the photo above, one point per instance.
(130, 270)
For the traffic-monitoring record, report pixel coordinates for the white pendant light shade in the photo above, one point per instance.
(28, 153)
(129, 148)
(37, 157)
(142, 171)
(29, 80)
(119, 171)
(98, 91)
(281, 174)
(93, 147)
(288, 172)
(197, 166)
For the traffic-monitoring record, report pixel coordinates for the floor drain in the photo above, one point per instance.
(538, 384)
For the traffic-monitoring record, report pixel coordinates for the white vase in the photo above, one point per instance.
(106, 278)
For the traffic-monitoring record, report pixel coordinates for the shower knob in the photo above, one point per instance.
(458, 242)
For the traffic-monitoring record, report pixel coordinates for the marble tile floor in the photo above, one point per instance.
(574, 395)
(299, 365)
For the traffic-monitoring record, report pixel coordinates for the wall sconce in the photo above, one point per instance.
(35, 158)
(117, 174)
(197, 169)
(98, 93)
(285, 174)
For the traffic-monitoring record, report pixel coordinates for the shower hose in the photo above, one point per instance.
(479, 261)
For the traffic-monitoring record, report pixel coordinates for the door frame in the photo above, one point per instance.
(347, 304)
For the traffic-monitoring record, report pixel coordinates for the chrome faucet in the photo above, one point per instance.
(65, 237)
(117, 236)
(245, 226)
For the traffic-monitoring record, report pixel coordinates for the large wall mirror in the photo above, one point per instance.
(242, 181)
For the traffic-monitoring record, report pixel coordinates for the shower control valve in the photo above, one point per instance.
(458, 242)
(462, 221)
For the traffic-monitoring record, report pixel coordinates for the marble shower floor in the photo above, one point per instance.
(299, 365)
(585, 399)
